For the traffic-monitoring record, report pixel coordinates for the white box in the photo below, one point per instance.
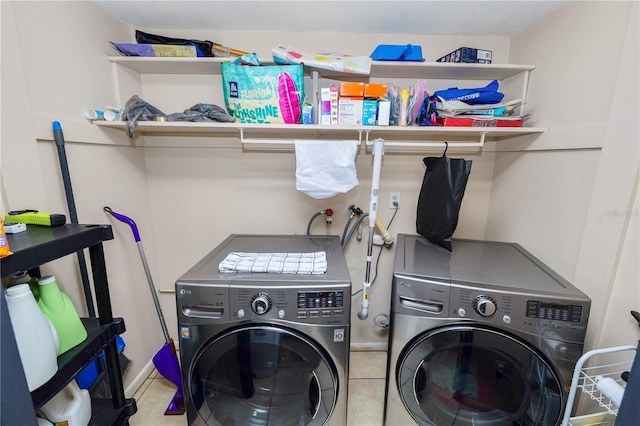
(384, 111)
(350, 111)
(334, 104)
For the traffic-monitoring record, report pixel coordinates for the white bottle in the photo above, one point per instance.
(610, 388)
(71, 405)
(36, 337)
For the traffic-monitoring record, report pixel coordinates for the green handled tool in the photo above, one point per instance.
(35, 217)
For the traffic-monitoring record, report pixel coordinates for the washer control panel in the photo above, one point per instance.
(313, 306)
(325, 304)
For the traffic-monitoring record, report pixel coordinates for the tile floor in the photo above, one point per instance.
(366, 394)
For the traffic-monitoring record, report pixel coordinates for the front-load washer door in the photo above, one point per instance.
(263, 375)
(473, 375)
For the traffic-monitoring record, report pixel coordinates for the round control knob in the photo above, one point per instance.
(240, 313)
(261, 303)
(485, 306)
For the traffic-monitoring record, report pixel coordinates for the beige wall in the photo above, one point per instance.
(188, 193)
(53, 67)
(559, 204)
(228, 190)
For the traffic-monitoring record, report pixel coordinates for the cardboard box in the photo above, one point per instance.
(351, 88)
(350, 103)
(350, 111)
(333, 95)
(325, 106)
(384, 112)
(375, 90)
(369, 112)
(468, 55)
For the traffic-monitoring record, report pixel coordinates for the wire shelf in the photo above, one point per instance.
(585, 379)
(588, 382)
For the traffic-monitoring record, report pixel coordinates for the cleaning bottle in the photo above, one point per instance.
(25, 278)
(70, 407)
(60, 310)
(36, 336)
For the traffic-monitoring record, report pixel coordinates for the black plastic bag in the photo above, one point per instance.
(440, 198)
(205, 46)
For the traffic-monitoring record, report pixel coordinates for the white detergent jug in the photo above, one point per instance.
(36, 338)
(71, 405)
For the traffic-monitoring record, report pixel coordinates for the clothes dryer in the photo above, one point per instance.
(265, 348)
(483, 335)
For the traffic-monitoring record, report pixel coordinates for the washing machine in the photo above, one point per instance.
(265, 348)
(483, 335)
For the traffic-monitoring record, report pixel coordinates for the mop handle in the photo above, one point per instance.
(378, 152)
(127, 220)
(152, 288)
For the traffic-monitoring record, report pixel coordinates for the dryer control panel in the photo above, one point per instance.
(563, 319)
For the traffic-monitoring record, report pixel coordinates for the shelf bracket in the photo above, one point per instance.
(438, 144)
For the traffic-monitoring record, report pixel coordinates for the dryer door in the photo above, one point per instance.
(474, 375)
(263, 375)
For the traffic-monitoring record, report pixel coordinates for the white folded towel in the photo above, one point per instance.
(277, 263)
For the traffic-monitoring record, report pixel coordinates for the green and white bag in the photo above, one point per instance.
(271, 94)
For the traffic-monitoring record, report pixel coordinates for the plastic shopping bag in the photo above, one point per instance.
(263, 94)
(480, 95)
(322, 60)
(440, 198)
(325, 168)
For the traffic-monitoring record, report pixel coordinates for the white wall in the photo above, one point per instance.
(544, 200)
(53, 67)
(228, 190)
(212, 191)
(558, 203)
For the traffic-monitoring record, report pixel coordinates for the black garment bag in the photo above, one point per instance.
(440, 197)
(205, 46)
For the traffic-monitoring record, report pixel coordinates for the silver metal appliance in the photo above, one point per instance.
(265, 348)
(483, 335)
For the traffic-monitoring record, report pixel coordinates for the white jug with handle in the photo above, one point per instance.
(71, 405)
(36, 337)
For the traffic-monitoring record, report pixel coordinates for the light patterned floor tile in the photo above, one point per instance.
(142, 389)
(368, 365)
(365, 406)
(152, 404)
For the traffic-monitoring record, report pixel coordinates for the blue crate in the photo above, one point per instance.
(88, 375)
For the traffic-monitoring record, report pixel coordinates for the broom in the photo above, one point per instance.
(166, 359)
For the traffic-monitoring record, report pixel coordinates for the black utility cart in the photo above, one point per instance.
(32, 248)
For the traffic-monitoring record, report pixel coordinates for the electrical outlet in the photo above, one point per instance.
(394, 197)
